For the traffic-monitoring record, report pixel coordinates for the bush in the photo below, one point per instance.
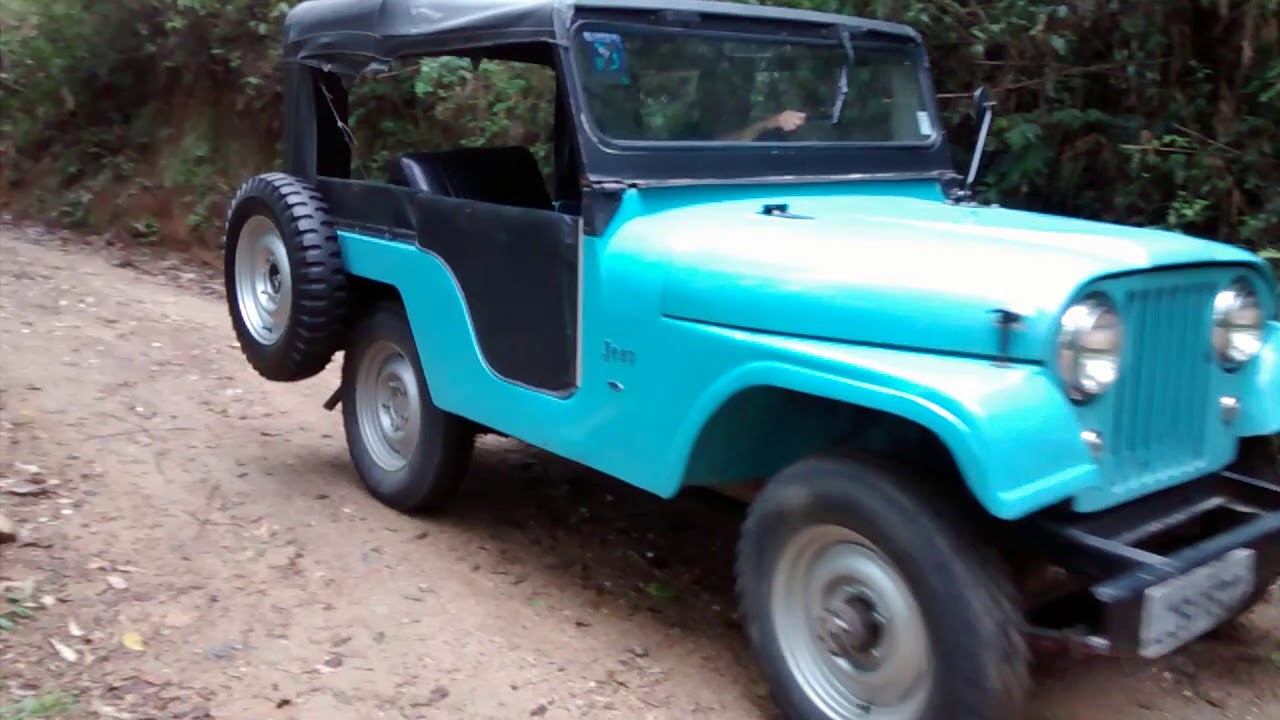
(99, 79)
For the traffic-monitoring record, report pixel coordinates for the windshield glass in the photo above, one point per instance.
(656, 85)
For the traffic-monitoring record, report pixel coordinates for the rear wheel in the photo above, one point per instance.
(862, 602)
(410, 454)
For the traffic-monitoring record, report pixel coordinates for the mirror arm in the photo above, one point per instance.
(977, 153)
(983, 105)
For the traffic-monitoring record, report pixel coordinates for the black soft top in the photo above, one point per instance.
(347, 36)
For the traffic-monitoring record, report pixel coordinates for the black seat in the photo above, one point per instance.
(501, 175)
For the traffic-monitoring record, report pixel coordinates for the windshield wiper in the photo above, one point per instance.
(842, 83)
(842, 91)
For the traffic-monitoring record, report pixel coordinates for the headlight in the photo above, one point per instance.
(1089, 345)
(1237, 324)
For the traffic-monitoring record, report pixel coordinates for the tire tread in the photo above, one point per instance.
(434, 477)
(318, 327)
(1002, 681)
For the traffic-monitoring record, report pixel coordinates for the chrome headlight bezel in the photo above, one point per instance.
(1239, 324)
(1090, 347)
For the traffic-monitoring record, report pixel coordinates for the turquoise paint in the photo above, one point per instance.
(1179, 407)
(1258, 386)
(761, 430)
(1010, 430)
(896, 271)
(881, 301)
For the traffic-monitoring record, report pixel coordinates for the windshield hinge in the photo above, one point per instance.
(782, 210)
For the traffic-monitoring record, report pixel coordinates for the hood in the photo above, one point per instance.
(895, 271)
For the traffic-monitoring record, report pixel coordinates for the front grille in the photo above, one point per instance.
(1162, 403)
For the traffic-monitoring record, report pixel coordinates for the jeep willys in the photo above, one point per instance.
(965, 428)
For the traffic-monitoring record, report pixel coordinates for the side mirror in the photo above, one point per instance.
(982, 111)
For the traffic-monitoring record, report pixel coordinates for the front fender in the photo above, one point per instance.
(1260, 406)
(1010, 429)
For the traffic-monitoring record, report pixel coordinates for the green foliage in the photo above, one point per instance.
(90, 77)
(1159, 113)
(13, 609)
(73, 212)
(145, 230)
(48, 705)
(439, 103)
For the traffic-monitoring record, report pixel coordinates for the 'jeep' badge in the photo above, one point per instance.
(614, 354)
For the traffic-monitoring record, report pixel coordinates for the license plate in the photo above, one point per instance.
(1183, 608)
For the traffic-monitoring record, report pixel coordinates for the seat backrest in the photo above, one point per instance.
(501, 175)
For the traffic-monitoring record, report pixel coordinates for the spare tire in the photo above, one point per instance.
(285, 281)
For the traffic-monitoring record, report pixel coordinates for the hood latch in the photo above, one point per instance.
(1006, 321)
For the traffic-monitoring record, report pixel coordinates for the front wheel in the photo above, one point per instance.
(410, 454)
(862, 602)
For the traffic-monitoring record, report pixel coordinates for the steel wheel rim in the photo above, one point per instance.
(263, 284)
(850, 630)
(388, 405)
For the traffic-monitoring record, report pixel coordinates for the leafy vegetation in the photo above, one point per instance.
(434, 104)
(17, 607)
(145, 113)
(13, 609)
(48, 705)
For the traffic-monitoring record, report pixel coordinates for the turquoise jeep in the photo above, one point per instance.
(961, 429)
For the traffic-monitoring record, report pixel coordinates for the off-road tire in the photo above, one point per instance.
(442, 454)
(318, 316)
(980, 659)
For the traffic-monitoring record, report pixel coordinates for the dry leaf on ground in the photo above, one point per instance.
(133, 641)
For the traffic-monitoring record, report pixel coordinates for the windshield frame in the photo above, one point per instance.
(619, 164)
(825, 37)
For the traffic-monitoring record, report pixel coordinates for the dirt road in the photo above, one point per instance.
(169, 500)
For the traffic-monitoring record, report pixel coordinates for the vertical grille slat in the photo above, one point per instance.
(1161, 403)
(1127, 404)
(1175, 405)
(1171, 441)
(1164, 307)
(1202, 405)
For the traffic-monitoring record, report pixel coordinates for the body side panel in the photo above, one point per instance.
(640, 409)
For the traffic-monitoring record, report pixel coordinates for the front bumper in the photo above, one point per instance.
(1157, 573)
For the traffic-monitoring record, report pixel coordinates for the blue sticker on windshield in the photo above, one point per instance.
(608, 56)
